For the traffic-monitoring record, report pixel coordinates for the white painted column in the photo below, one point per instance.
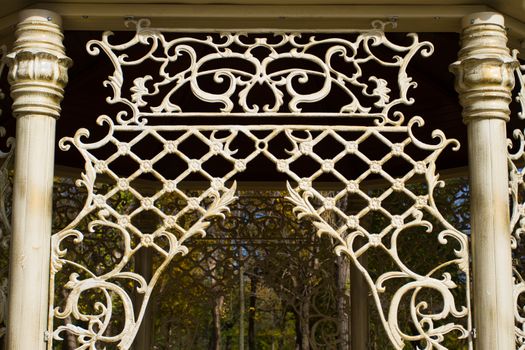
(484, 81)
(37, 74)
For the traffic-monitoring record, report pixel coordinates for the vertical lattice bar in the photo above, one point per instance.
(484, 80)
(37, 74)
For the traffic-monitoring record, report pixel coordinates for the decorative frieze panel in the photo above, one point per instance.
(147, 163)
(246, 73)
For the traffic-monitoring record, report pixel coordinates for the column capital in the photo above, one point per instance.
(485, 68)
(38, 65)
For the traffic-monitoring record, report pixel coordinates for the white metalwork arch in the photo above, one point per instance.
(134, 126)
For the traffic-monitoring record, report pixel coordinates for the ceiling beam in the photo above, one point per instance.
(410, 18)
(89, 16)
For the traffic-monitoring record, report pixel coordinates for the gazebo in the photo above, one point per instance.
(262, 175)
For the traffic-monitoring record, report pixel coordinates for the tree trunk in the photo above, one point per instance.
(251, 313)
(298, 331)
(228, 345)
(343, 268)
(282, 324)
(218, 301)
(215, 341)
(168, 336)
(241, 301)
(302, 325)
(304, 322)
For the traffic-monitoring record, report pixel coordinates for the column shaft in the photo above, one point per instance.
(491, 251)
(484, 80)
(37, 74)
(30, 242)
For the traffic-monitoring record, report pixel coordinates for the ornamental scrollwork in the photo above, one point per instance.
(6, 163)
(296, 71)
(385, 239)
(5, 226)
(130, 187)
(167, 240)
(517, 207)
(213, 201)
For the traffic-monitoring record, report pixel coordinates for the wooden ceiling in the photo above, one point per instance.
(412, 15)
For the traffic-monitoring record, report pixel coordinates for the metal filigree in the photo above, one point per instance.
(296, 70)
(117, 210)
(517, 220)
(517, 226)
(386, 239)
(219, 195)
(5, 227)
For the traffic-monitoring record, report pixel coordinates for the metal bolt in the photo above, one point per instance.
(393, 19)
